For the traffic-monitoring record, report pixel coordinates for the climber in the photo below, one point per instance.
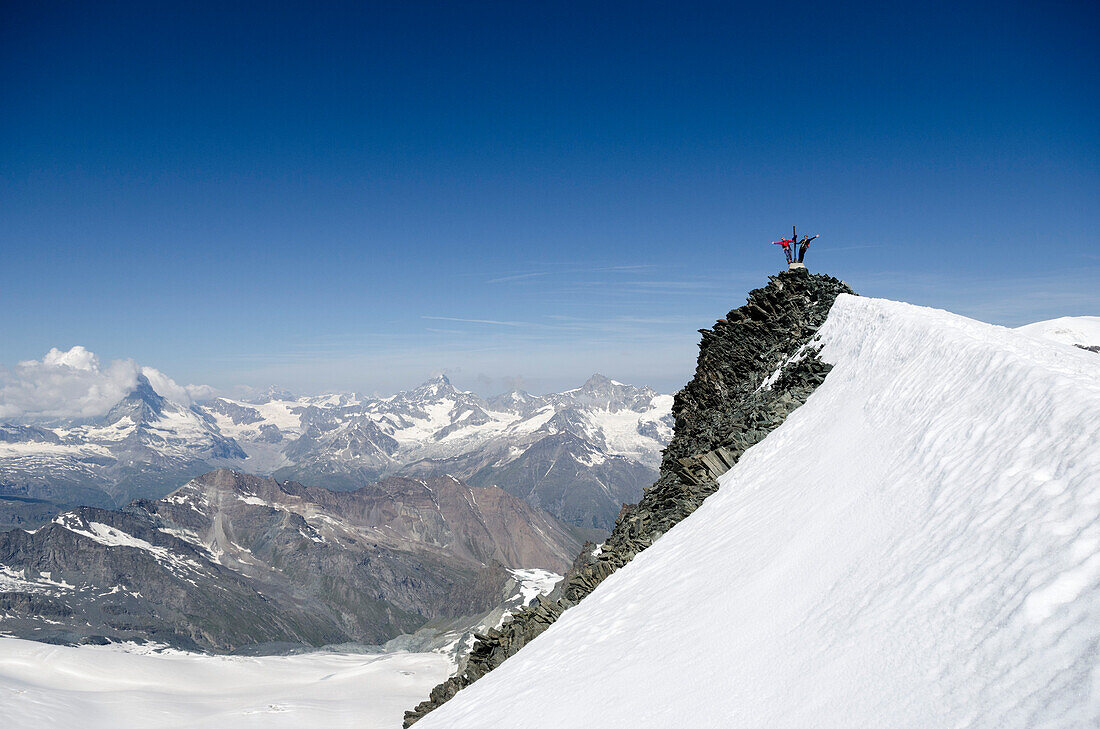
(802, 246)
(786, 243)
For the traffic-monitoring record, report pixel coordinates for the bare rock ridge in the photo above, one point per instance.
(753, 370)
(231, 562)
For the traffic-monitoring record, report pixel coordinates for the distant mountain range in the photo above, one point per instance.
(578, 454)
(231, 561)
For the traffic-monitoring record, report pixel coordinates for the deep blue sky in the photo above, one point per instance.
(320, 195)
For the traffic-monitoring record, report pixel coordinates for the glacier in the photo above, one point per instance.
(117, 687)
(918, 545)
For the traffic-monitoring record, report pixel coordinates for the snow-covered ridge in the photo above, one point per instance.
(147, 444)
(436, 420)
(915, 546)
(110, 536)
(1083, 331)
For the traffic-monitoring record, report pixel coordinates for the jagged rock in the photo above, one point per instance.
(753, 370)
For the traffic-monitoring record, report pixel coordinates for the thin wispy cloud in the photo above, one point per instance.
(518, 277)
(495, 322)
(695, 284)
(631, 268)
(831, 249)
(528, 275)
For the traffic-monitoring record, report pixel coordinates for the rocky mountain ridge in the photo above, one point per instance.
(231, 561)
(580, 454)
(755, 366)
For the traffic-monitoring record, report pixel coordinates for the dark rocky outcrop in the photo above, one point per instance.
(753, 370)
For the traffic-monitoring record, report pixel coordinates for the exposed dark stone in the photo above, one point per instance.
(754, 368)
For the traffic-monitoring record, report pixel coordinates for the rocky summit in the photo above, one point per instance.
(232, 562)
(755, 366)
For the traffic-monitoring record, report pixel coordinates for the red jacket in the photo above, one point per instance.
(786, 243)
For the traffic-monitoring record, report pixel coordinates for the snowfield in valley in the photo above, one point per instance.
(916, 546)
(107, 688)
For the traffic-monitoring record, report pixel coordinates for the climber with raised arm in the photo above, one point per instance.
(786, 243)
(802, 246)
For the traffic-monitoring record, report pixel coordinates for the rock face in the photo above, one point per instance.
(231, 561)
(753, 370)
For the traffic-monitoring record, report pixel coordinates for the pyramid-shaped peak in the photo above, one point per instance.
(142, 404)
(435, 387)
(607, 394)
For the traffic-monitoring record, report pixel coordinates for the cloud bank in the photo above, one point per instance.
(73, 384)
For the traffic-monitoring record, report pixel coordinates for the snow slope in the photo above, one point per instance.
(916, 546)
(104, 688)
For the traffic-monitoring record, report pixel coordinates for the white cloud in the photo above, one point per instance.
(199, 393)
(73, 384)
(166, 387)
(78, 358)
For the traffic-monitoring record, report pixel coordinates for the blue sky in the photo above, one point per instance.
(356, 196)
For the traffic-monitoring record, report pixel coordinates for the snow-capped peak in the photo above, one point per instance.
(343, 440)
(436, 388)
(142, 404)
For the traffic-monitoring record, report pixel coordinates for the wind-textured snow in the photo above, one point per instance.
(916, 546)
(105, 688)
